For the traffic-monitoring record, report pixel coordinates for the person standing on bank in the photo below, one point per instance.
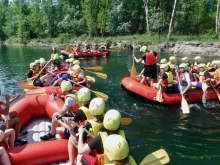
(150, 67)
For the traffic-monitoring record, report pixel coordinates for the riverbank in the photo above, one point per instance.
(205, 46)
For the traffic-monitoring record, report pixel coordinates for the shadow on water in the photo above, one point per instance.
(189, 139)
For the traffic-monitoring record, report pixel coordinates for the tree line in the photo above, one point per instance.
(28, 19)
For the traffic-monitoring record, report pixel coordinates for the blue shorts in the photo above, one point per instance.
(64, 76)
(198, 85)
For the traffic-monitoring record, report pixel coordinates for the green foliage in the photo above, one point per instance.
(65, 37)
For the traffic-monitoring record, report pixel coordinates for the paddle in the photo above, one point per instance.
(19, 81)
(159, 96)
(126, 121)
(156, 158)
(42, 69)
(184, 104)
(99, 74)
(90, 79)
(215, 91)
(95, 68)
(204, 88)
(133, 69)
(27, 86)
(97, 93)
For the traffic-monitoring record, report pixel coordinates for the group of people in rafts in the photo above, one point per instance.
(105, 143)
(53, 75)
(173, 78)
(95, 49)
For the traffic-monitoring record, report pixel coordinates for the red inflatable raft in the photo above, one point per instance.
(83, 54)
(41, 152)
(133, 86)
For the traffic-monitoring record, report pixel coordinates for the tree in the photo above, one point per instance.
(171, 20)
(146, 12)
(217, 18)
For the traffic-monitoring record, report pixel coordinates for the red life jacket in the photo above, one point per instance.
(150, 59)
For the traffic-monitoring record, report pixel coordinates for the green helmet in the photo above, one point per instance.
(164, 66)
(97, 106)
(116, 147)
(56, 57)
(84, 94)
(32, 65)
(163, 61)
(112, 120)
(66, 86)
(184, 65)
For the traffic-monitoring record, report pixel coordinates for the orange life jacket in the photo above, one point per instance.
(150, 59)
(202, 77)
(216, 77)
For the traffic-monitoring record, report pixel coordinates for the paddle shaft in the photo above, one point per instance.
(43, 68)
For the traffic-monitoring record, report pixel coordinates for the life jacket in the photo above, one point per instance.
(150, 59)
(216, 76)
(172, 67)
(183, 82)
(168, 82)
(202, 77)
(33, 72)
(102, 158)
(87, 112)
(94, 130)
(195, 68)
(77, 78)
(74, 95)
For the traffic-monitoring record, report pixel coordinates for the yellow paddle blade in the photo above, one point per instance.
(156, 158)
(90, 79)
(27, 86)
(204, 87)
(99, 74)
(95, 68)
(133, 71)
(126, 121)
(101, 95)
(159, 96)
(184, 105)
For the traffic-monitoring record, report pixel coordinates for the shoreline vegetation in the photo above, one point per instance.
(205, 45)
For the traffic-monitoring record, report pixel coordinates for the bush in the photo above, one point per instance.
(12, 40)
(63, 38)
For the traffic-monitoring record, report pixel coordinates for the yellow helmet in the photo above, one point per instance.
(116, 147)
(184, 65)
(185, 59)
(198, 58)
(66, 86)
(112, 120)
(76, 62)
(172, 59)
(32, 65)
(76, 68)
(84, 94)
(71, 55)
(71, 60)
(143, 49)
(56, 57)
(164, 66)
(97, 106)
(163, 61)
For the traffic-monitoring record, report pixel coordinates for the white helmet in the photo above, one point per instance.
(185, 59)
(67, 60)
(32, 65)
(143, 49)
(71, 55)
(71, 60)
(112, 120)
(184, 65)
(164, 66)
(84, 94)
(172, 59)
(198, 58)
(76, 68)
(37, 62)
(116, 147)
(97, 106)
(66, 86)
(163, 61)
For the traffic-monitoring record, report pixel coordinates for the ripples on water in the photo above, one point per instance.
(189, 139)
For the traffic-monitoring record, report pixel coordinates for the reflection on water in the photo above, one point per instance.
(189, 139)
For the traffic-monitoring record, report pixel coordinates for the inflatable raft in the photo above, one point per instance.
(132, 86)
(83, 54)
(42, 152)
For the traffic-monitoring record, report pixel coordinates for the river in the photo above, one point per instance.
(189, 139)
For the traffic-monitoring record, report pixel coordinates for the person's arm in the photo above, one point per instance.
(137, 60)
(187, 77)
(6, 111)
(208, 77)
(82, 149)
